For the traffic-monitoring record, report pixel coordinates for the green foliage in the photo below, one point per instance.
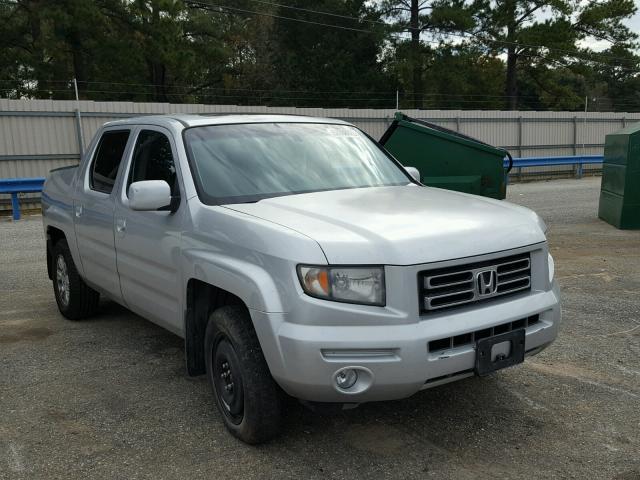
(484, 54)
(307, 60)
(463, 77)
(542, 39)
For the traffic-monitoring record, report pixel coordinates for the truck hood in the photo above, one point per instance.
(402, 225)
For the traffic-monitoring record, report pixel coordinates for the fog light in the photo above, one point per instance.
(346, 378)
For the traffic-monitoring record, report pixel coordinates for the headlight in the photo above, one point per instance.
(363, 285)
(552, 268)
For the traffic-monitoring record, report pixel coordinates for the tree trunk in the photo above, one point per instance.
(157, 69)
(416, 64)
(37, 51)
(511, 89)
(158, 78)
(79, 67)
(511, 86)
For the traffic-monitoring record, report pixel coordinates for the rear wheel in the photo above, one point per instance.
(246, 395)
(75, 299)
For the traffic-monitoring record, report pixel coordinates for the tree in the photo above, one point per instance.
(530, 31)
(351, 53)
(305, 57)
(463, 76)
(459, 76)
(418, 16)
(177, 45)
(77, 29)
(23, 49)
(615, 88)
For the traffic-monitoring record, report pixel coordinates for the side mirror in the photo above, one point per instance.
(149, 195)
(414, 172)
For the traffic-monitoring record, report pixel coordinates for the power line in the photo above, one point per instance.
(457, 98)
(465, 35)
(194, 89)
(265, 92)
(276, 93)
(277, 97)
(308, 10)
(209, 6)
(559, 50)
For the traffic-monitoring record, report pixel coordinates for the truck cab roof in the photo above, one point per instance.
(194, 120)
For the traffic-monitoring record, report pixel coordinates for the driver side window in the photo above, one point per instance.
(106, 160)
(153, 160)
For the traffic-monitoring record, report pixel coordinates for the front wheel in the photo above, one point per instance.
(246, 395)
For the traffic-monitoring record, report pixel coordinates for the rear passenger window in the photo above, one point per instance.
(153, 160)
(107, 160)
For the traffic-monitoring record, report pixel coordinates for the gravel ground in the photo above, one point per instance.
(108, 397)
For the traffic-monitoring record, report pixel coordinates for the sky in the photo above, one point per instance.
(633, 23)
(597, 45)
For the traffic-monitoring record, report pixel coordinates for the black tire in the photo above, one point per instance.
(251, 406)
(76, 300)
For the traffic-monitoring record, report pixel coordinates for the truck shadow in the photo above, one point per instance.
(467, 419)
(442, 421)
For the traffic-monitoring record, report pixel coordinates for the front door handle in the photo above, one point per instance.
(78, 210)
(121, 225)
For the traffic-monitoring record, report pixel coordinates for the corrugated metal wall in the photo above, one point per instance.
(38, 135)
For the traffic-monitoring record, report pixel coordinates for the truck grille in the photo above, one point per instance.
(454, 286)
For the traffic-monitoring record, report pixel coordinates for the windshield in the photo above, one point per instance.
(249, 162)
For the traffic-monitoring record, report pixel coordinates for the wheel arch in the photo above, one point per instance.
(53, 236)
(213, 281)
(202, 299)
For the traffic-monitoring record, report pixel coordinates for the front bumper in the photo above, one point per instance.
(393, 361)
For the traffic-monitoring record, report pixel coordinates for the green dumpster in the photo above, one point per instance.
(620, 190)
(447, 159)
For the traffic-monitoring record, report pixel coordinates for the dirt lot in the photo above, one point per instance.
(108, 398)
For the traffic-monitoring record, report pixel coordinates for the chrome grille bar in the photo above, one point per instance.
(459, 285)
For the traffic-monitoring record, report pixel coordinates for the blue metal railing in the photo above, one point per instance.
(551, 161)
(14, 186)
(579, 161)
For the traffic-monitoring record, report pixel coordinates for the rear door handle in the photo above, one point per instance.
(78, 210)
(121, 225)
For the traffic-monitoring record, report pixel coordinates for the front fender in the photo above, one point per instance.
(247, 280)
(251, 258)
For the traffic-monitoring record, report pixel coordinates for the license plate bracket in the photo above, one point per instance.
(484, 347)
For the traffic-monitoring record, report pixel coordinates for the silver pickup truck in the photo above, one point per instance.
(295, 256)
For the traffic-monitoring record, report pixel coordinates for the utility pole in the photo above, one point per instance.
(584, 136)
(78, 119)
(584, 127)
(397, 100)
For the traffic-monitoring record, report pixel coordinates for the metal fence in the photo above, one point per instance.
(38, 135)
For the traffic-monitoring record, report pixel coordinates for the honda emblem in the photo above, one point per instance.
(487, 283)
